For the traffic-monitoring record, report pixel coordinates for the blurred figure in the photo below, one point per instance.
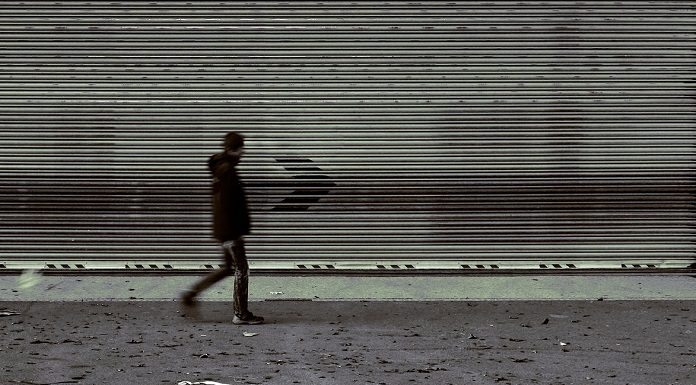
(231, 223)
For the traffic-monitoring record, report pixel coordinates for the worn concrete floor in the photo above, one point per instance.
(352, 342)
(614, 330)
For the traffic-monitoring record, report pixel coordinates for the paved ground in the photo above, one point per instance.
(415, 340)
(351, 288)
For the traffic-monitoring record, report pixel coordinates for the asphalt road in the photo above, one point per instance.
(351, 342)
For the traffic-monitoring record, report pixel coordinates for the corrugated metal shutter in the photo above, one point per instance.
(404, 134)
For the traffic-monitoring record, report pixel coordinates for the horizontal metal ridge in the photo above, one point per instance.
(217, 37)
(158, 266)
(71, 48)
(223, 68)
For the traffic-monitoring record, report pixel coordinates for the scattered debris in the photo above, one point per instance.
(7, 313)
(558, 316)
(200, 383)
(427, 370)
(169, 345)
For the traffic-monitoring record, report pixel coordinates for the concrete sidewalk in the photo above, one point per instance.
(511, 330)
(350, 288)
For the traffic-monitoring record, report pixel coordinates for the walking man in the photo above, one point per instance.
(231, 223)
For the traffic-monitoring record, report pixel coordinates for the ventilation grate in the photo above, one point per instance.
(316, 267)
(66, 266)
(395, 267)
(150, 266)
(638, 266)
(480, 267)
(557, 266)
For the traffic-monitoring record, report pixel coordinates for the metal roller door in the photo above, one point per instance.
(381, 135)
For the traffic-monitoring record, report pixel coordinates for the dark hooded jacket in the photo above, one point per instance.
(230, 210)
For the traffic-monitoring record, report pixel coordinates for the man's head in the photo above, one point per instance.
(234, 144)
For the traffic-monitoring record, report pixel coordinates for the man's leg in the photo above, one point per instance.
(237, 251)
(210, 279)
(242, 315)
